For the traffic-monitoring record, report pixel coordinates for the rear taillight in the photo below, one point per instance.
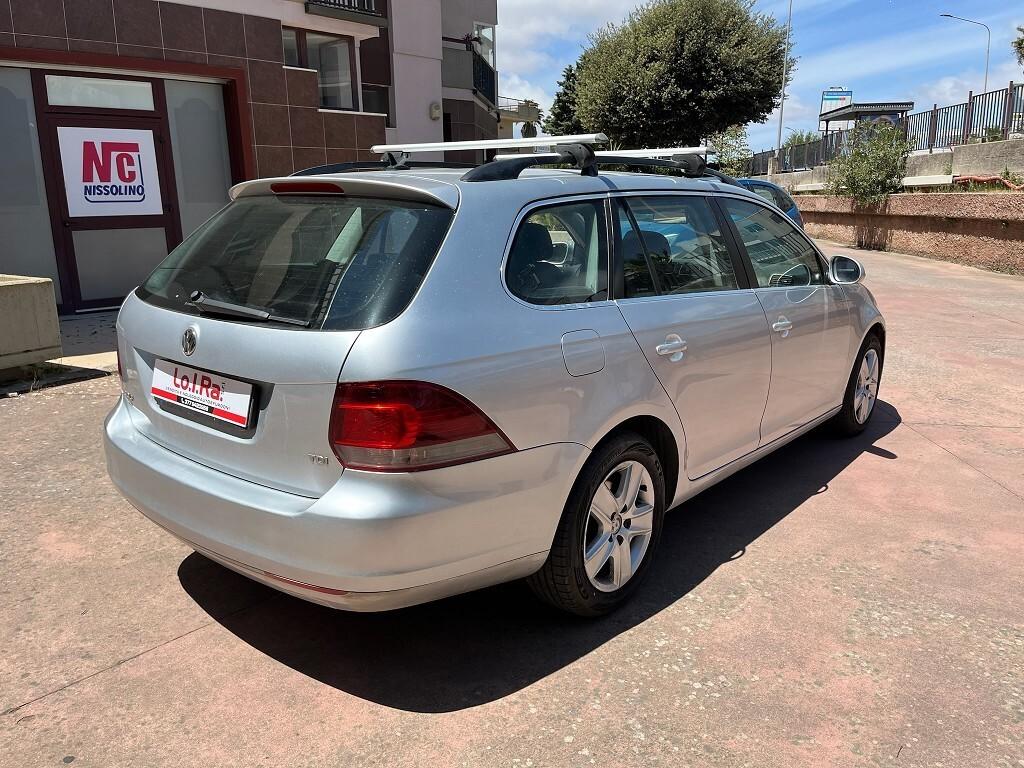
(408, 426)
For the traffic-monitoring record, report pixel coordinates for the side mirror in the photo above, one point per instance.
(845, 271)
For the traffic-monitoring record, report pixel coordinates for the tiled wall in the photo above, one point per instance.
(290, 132)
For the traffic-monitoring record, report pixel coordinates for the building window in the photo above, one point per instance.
(74, 91)
(331, 56)
(377, 98)
(483, 42)
(291, 47)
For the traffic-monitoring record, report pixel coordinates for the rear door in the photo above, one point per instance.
(686, 299)
(809, 318)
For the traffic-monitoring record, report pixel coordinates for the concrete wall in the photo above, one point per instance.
(28, 316)
(980, 229)
(460, 15)
(416, 51)
(988, 159)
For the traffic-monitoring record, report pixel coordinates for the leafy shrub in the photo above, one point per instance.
(872, 164)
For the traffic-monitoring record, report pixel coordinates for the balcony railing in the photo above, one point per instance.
(485, 79)
(358, 6)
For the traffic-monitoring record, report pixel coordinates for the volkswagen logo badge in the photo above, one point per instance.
(189, 339)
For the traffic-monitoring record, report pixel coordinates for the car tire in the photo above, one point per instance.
(619, 534)
(861, 390)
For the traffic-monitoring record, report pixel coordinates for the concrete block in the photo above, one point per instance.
(929, 164)
(29, 329)
(928, 181)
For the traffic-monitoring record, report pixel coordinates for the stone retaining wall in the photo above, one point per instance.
(980, 229)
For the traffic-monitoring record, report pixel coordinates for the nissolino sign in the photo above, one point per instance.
(99, 163)
(110, 172)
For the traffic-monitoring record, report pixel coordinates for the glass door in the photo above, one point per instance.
(112, 178)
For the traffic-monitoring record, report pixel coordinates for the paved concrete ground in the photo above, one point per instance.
(89, 341)
(843, 603)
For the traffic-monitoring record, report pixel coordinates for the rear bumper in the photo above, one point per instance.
(373, 541)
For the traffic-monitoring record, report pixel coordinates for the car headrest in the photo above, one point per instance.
(655, 242)
(533, 244)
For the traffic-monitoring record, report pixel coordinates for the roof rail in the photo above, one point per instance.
(506, 167)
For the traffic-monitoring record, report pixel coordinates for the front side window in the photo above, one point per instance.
(686, 248)
(559, 255)
(330, 56)
(779, 253)
(335, 263)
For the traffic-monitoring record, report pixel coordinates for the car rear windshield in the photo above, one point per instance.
(328, 262)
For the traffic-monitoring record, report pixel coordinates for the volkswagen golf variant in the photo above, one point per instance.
(372, 388)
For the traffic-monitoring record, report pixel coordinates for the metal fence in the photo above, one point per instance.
(362, 6)
(485, 79)
(988, 116)
(799, 157)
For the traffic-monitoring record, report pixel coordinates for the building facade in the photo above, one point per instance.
(124, 122)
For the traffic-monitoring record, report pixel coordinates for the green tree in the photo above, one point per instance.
(677, 70)
(732, 149)
(1018, 46)
(561, 119)
(872, 164)
(801, 137)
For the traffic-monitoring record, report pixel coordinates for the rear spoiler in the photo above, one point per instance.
(422, 191)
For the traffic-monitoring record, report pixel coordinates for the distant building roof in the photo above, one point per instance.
(853, 111)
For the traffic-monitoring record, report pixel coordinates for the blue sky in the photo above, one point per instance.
(881, 49)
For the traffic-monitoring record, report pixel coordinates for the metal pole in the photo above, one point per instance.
(785, 76)
(988, 43)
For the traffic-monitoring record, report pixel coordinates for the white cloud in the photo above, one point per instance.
(879, 55)
(537, 38)
(953, 89)
(515, 87)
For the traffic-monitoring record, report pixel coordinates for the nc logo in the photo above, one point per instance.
(100, 161)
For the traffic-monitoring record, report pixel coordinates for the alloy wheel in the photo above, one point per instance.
(867, 387)
(619, 526)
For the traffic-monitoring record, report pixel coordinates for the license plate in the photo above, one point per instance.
(217, 396)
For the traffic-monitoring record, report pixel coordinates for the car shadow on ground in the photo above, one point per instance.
(473, 649)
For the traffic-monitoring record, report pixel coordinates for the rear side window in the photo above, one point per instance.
(330, 262)
(784, 201)
(560, 255)
(686, 248)
(779, 253)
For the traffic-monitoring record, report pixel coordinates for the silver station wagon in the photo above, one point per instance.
(380, 384)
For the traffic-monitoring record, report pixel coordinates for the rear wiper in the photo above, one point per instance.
(207, 306)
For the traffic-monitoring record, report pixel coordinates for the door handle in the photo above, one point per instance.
(673, 348)
(782, 326)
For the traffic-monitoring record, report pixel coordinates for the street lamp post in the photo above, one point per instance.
(785, 76)
(988, 44)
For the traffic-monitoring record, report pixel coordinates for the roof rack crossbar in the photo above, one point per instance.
(667, 153)
(453, 146)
